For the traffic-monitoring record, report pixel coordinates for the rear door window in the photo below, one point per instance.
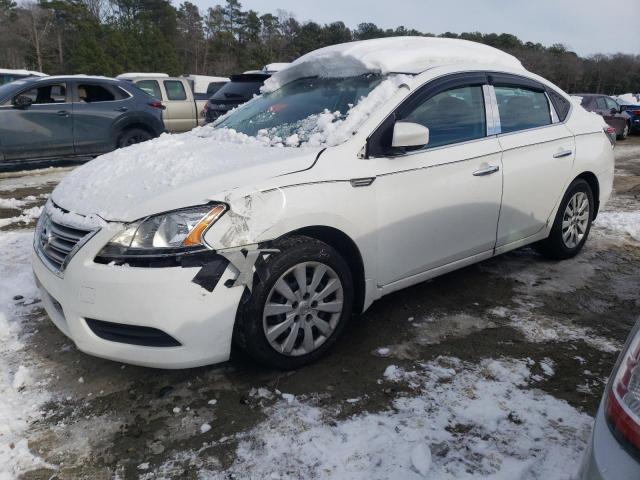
(150, 87)
(452, 116)
(522, 108)
(94, 93)
(601, 104)
(175, 90)
(46, 94)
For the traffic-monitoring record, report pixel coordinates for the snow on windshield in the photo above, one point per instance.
(297, 116)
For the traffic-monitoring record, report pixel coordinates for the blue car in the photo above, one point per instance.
(634, 116)
(67, 117)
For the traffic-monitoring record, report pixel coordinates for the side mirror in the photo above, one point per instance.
(409, 134)
(22, 101)
(614, 111)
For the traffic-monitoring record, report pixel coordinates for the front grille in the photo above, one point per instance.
(56, 243)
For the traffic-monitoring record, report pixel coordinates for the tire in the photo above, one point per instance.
(557, 245)
(131, 136)
(625, 132)
(288, 350)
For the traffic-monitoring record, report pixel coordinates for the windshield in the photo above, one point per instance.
(294, 109)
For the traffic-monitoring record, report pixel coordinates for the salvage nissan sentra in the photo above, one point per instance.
(363, 168)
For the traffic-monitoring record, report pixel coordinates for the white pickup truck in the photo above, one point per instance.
(184, 108)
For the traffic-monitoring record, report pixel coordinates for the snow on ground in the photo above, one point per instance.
(462, 420)
(20, 393)
(27, 216)
(626, 223)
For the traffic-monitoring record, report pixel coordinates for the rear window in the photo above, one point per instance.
(213, 87)
(175, 90)
(150, 87)
(238, 91)
(522, 108)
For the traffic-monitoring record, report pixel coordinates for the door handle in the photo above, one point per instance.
(63, 113)
(121, 109)
(486, 171)
(563, 153)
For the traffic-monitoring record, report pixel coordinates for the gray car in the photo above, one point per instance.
(73, 117)
(614, 449)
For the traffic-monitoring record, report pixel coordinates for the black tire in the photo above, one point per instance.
(249, 331)
(131, 136)
(554, 245)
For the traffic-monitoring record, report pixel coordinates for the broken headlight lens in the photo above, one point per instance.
(170, 232)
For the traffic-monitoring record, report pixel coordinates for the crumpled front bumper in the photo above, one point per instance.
(166, 299)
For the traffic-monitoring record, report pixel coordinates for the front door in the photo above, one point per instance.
(181, 114)
(42, 130)
(441, 203)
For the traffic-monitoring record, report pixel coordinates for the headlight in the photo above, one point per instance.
(169, 233)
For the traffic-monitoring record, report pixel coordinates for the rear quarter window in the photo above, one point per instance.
(561, 104)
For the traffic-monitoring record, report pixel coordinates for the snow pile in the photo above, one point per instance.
(628, 99)
(389, 55)
(622, 222)
(19, 397)
(465, 421)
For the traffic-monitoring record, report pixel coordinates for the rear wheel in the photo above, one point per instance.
(572, 223)
(625, 132)
(132, 136)
(300, 306)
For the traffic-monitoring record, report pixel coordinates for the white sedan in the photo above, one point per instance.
(363, 168)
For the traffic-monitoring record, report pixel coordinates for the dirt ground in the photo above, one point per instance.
(106, 420)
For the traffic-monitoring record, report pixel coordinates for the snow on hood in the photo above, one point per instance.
(389, 55)
(174, 171)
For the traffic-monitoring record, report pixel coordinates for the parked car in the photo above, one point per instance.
(609, 109)
(614, 449)
(183, 111)
(63, 117)
(240, 89)
(204, 86)
(8, 76)
(341, 183)
(633, 110)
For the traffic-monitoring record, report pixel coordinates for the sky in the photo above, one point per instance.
(586, 26)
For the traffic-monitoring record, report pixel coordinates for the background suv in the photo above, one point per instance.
(73, 116)
(239, 90)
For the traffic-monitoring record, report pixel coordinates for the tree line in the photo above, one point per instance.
(108, 37)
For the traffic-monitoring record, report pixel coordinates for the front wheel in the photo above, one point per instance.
(301, 301)
(572, 223)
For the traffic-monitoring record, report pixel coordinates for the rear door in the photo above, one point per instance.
(42, 130)
(97, 106)
(181, 108)
(538, 154)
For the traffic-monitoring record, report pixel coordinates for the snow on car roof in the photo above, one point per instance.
(390, 55)
(8, 71)
(130, 75)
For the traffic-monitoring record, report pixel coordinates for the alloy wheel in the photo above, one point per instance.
(303, 308)
(575, 220)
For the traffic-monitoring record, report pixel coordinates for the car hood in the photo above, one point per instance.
(174, 171)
